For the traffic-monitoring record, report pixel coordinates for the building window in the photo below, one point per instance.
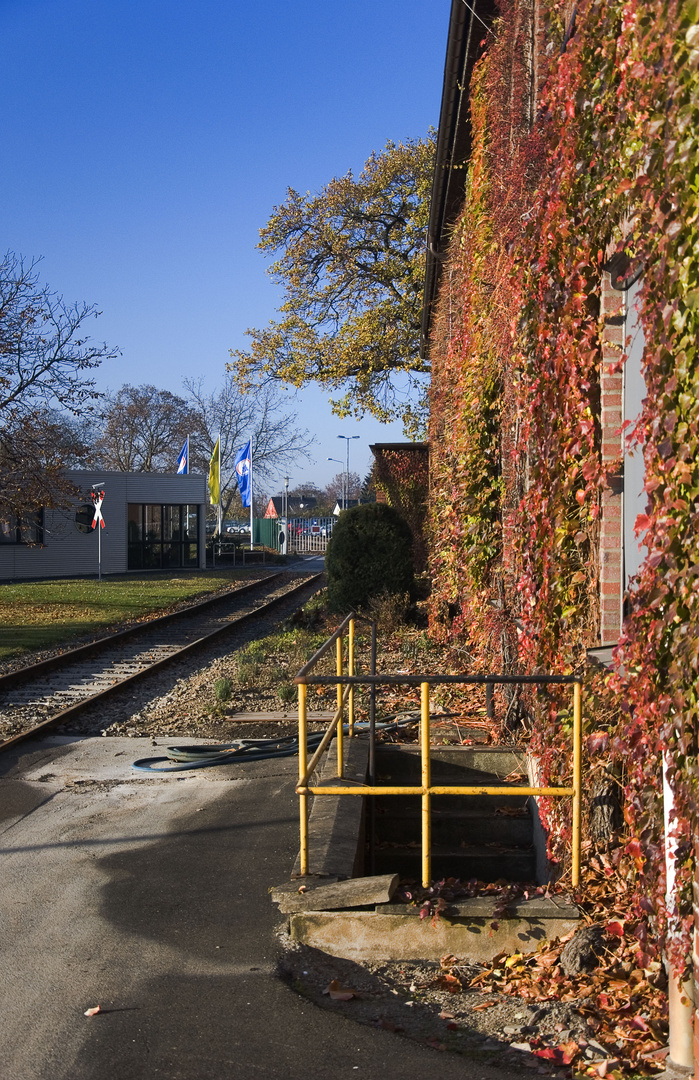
(635, 497)
(161, 536)
(84, 516)
(21, 528)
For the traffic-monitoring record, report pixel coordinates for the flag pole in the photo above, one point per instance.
(220, 516)
(251, 493)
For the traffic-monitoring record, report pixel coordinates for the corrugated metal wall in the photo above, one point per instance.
(266, 531)
(67, 551)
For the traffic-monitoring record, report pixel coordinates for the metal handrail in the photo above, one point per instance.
(426, 790)
(310, 768)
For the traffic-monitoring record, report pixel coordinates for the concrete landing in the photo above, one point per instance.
(148, 896)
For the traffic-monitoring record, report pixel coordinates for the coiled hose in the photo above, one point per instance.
(181, 758)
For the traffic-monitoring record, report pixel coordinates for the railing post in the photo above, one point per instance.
(350, 671)
(577, 781)
(372, 707)
(372, 751)
(338, 645)
(426, 780)
(303, 761)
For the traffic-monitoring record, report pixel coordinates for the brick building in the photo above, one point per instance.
(559, 322)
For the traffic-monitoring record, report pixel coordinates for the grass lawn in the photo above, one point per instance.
(43, 614)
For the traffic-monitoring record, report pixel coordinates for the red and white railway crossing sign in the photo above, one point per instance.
(97, 500)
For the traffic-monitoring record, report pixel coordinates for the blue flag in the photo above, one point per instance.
(243, 472)
(183, 459)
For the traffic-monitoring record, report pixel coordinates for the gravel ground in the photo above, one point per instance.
(402, 997)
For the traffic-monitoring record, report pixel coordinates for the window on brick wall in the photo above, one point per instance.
(635, 499)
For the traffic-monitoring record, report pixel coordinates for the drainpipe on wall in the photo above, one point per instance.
(680, 994)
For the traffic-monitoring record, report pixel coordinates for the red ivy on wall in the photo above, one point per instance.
(403, 477)
(610, 158)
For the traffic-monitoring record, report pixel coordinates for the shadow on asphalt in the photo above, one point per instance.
(207, 1004)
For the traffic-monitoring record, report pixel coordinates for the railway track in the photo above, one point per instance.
(54, 691)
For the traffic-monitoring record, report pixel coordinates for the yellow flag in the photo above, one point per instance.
(215, 475)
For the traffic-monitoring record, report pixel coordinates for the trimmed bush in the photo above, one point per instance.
(369, 554)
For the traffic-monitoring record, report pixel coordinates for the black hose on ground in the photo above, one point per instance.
(182, 758)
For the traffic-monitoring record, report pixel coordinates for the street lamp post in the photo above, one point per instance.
(348, 439)
(337, 460)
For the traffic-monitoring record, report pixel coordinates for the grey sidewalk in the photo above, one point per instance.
(149, 897)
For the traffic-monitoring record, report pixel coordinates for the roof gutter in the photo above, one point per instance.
(467, 23)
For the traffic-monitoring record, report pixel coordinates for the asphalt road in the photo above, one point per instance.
(149, 898)
(312, 564)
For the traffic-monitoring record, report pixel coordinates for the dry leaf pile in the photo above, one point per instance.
(621, 995)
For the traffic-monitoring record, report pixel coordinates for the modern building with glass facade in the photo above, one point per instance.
(153, 521)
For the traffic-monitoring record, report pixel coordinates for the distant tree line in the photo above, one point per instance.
(52, 418)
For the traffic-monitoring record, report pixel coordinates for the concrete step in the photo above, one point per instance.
(471, 928)
(486, 864)
(470, 839)
(400, 764)
(451, 827)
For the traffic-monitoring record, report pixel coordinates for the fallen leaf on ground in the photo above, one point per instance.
(338, 993)
(563, 1054)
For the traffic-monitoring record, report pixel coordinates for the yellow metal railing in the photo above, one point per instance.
(346, 682)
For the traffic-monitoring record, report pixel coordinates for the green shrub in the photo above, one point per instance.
(311, 615)
(253, 653)
(287, 693)
(247, 672)
(223, 690)
(368, 555)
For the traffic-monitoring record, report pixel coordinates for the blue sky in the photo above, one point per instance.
(145, 144)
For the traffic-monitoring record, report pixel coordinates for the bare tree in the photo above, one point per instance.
(144, 428)
(277, 442)
(44, 357)
(323, 504)
(336, 488)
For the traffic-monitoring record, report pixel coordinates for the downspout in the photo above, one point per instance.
(680, 993)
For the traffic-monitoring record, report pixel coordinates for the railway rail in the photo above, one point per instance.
(54, 691)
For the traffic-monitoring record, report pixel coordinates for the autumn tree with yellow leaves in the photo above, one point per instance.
(350, 260)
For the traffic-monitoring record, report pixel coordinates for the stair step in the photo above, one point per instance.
(485, 864)
(450, 827)
(461, 804)
(449, 764)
